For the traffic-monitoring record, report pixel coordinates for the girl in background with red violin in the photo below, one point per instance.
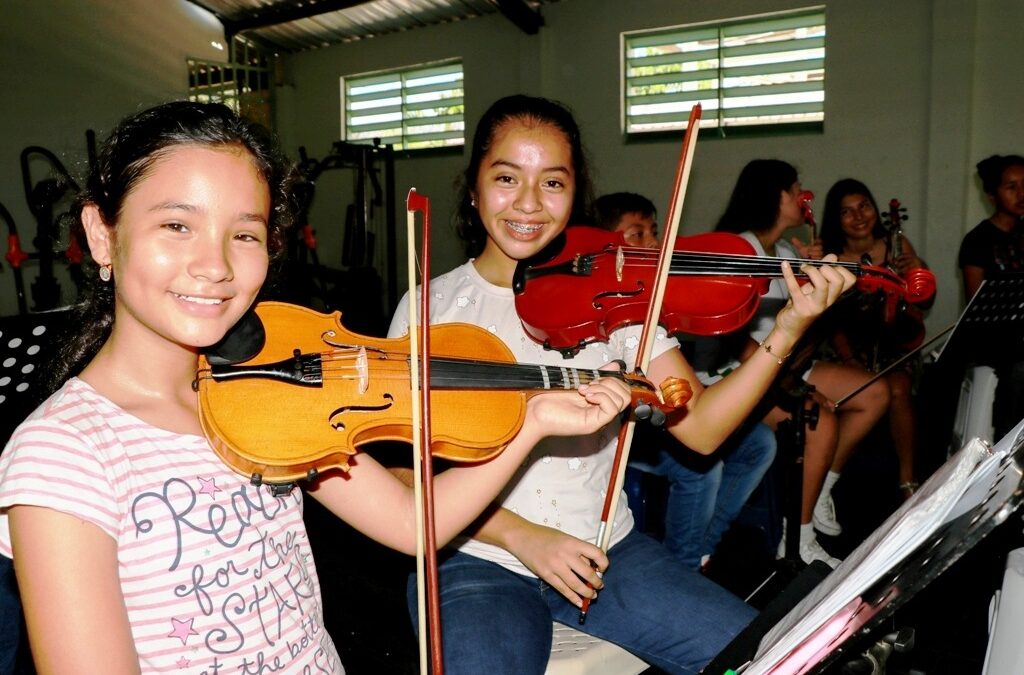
(531, 558)
(136, 548)
(765, 203)
(852, 229)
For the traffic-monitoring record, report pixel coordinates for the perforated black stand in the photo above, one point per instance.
(27, 346)
(28, 343)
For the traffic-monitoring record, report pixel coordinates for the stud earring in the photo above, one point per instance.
(472, 202)
(105, 273)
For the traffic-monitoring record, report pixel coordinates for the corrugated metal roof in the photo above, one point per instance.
(295, 25)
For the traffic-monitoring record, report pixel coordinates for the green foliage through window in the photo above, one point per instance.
(420, 107)
(763, 70)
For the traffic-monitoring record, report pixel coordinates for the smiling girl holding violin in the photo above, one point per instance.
(852, 229)
(531, 559)
(764, 204)
(136, 548)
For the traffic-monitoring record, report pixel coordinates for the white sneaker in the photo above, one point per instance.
(811, 550)
(825, 516)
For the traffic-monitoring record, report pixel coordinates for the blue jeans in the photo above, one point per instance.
(495, 621)
(10, 617)
(707, 493)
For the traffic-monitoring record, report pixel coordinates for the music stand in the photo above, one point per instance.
(997, 305)
(27, 343)
(965, 499)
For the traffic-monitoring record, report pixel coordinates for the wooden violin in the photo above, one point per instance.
(587, 283)
(906, 319)
(315, 392)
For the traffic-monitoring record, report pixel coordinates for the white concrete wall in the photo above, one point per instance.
(916, 92)
(71, 65)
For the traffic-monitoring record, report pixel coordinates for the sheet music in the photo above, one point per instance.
(961, 484)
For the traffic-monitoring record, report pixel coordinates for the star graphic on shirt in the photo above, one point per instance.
(208, 486)
(182, 663)
(182, 630)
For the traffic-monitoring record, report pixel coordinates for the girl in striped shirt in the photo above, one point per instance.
(136, 549)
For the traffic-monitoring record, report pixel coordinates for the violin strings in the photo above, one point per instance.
(699, 263)
(455, 372)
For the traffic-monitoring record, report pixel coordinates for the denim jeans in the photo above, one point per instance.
(497, 622)
(10, 617)
(706, 494)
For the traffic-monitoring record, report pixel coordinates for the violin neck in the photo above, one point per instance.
(448, 373)
(724, 264)
(308, 370)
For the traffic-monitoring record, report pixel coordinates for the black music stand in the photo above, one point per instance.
(965, 499)
(997, 307)
(28, 342)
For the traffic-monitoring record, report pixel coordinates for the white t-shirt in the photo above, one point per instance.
(770, 304)
(777, 296)
(217, 575)
(563, 481)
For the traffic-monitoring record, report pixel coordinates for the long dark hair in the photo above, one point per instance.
(124, 160)
(832, 238)
(529, 111)
(991, 169)
(754, 204)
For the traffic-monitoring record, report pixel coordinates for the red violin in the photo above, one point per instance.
(587, 283)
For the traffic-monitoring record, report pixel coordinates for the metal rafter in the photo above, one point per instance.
(522, 15)
(285, 12)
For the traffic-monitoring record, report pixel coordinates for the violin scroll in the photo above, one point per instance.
(804, 200)
(920, 285)
(676, 391)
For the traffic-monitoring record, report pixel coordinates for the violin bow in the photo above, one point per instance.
(428, 608)
(889, 368)
(647, 335)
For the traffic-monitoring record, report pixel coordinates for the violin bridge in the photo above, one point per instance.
(620, 262)
(363, 371)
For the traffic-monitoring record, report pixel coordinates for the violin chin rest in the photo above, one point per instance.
(244, 341)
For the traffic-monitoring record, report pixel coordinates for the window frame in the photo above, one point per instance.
(713, 124)
(400, 143)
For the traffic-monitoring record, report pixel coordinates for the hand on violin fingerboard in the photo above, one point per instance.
(569, 565)
(813, 250)
(807, 302)
(588, 409)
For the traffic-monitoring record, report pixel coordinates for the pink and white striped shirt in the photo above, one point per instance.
(217, 575)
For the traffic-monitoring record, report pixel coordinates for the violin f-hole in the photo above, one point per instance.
(596, 302)
(339, 425)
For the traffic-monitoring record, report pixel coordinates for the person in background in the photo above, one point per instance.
(852, 229)
(763, 205)
(705, 493)
(994, 248)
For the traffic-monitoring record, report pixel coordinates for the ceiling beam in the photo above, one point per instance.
(283, 12)
(521, 14)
